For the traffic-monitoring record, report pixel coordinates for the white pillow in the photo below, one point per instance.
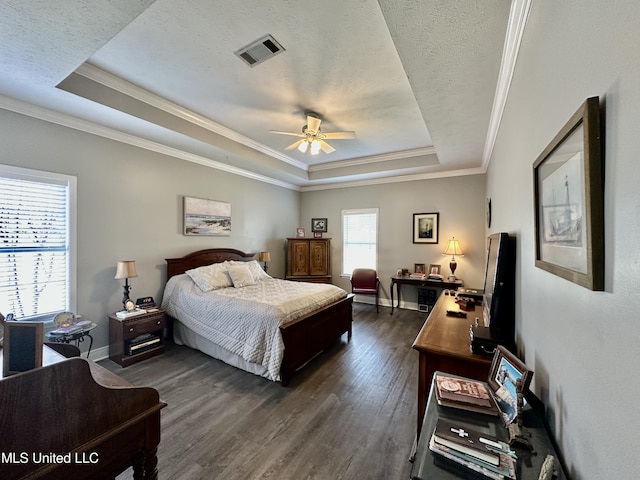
(255, 268)
(241, 276)
(210, 277)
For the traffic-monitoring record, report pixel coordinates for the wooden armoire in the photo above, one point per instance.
(309, 260)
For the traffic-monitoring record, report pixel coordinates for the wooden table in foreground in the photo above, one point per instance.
(75, 419)
(444, 345)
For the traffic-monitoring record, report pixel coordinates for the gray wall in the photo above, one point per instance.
(459, 201)
(130, 207)
(582, 345)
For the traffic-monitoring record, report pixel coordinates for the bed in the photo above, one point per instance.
(264, 327)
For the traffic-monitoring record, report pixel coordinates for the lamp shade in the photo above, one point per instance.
(453, 248)
(126, 269)
(265, 256)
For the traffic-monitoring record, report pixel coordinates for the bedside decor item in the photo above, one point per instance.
(22, 349)
(318, 224)
(453, 249)
(425, 227)
(126, 269)
(206, 217)
(264, 258)
(569, 201)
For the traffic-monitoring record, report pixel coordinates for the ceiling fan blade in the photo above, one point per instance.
(295, 144)
(339, 135)
(326, 148)
(313, 124)
(301, 135)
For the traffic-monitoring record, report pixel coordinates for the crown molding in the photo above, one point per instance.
(86, 126)
(118, 84)
(518, 16)
(384, 157)
(395, 179)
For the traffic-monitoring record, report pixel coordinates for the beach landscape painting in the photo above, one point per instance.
(206, 217)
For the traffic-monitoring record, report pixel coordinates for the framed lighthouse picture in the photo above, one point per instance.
(569, 202)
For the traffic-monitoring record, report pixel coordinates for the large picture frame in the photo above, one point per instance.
(506, 370)
(206, 217)
(425, 227)
(569, 201)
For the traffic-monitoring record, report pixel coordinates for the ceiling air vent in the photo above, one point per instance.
(259, 51)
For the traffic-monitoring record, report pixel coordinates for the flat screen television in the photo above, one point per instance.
(498, 300)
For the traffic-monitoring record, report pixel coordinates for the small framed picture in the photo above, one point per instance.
(425, 227)
(506, 370)
(317, 234)
(300, 232)
(434, 269)
(318, 224)
(418, 267)
(22, 348)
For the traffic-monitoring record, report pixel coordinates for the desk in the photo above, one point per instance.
(96, 423)
(528, 465)
(444, 344)
(414, 282)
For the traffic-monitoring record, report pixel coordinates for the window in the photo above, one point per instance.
(37, 243)
(359, 239)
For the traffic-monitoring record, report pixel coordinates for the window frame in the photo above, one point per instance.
(40, 176)
(359, 211)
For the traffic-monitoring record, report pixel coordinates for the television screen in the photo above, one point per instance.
(499, 288)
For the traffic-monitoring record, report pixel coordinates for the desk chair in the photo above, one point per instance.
(365, 281)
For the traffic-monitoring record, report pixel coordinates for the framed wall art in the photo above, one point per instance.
(206, 217)
(318, 224)
(569, 201)
(425, 227)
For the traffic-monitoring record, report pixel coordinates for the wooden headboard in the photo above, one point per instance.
(176, 266)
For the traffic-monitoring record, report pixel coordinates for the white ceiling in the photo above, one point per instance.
(419, 81)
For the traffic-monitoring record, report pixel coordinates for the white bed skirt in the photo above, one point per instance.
(184, 336)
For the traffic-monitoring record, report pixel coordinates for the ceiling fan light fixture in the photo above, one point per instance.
(315, 147)
(303, 147)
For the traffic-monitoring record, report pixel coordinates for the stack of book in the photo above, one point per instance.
(417, 276)
(470, 451)
(466, 394)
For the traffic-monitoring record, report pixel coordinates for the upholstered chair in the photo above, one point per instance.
(365, 281)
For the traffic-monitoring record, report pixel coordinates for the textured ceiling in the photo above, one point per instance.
(414, 79)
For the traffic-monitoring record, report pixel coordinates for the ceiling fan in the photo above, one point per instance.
(313, 139)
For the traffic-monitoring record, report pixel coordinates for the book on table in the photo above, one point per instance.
(497, 396)
(465, 393)
(473, 450)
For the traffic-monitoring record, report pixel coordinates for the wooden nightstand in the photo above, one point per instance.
(136, 338)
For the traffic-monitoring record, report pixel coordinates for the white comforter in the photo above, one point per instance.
(246, 320)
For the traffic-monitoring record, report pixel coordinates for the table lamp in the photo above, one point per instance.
(265, 257)
(453, 249)
(126, 269)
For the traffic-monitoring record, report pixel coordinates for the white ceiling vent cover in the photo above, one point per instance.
(260, 50)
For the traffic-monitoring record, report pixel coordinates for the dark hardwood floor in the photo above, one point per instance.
(348, 414)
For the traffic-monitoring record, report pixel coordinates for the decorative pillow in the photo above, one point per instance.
(256, 270)
(210, 277)
(241, 276)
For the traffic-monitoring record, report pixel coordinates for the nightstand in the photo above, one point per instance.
(137, 337)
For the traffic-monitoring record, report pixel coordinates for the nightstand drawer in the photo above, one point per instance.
(133, 327)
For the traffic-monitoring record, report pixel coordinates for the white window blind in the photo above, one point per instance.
(360, 239)
(35, 243)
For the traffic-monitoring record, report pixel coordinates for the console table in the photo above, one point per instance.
(444, 344)
(85, 422)
(427, 466)
(416, 282)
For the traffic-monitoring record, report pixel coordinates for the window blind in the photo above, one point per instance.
(360, 238)
(34, 246)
